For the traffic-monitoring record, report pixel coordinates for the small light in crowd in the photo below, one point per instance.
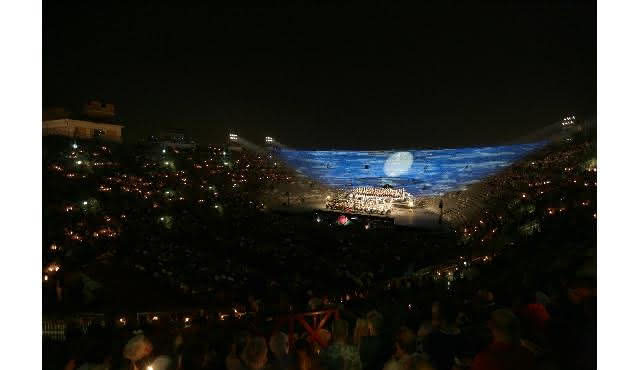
(75, 146)
(166, 163)
(85, 202)
(79, 162)
(164, 151)
(155, 318)
(186, 319)
(46, 278)
(161, 218)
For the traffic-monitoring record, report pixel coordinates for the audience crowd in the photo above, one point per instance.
(512, 288)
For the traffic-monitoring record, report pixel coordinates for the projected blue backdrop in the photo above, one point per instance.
(421, 172)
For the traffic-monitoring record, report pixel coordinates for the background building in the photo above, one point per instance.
(96, 121)
(83, 129)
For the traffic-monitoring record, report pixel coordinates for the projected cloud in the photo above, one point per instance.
(421, 172)
(398, 164)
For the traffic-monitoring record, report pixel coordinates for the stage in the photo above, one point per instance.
(304, 198)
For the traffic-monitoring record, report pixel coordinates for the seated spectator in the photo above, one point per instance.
(505, 351)
(304, 357)
(427, 327)
(534, 317)
(340, 355)
(573, 324)
(279, 345)
(232, 360)
(418, 362)
(254, 355)
(137, 349)
(361, 330)
(373, 350)
(404, 346)
(393, 365)
(443, 344)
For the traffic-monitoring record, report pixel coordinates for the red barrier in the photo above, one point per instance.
(301, 318)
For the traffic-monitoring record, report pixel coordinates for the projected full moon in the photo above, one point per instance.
(398, 164)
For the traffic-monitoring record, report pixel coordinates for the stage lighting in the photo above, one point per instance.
(233, 137)
(268, 140)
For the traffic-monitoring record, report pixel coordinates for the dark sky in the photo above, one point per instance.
(368, 74)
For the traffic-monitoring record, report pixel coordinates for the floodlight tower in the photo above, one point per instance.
(568, 121)
(233, 142)
(271, 144)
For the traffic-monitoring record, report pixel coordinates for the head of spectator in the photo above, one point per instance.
(279, 344)
(579, 291)
(361, 330)
(418, 362)
(393, 365)
(404, 343)
(161, 363)
(424, 329)
(324, 335)
(138, 348)
(375, 321)
(254, 354)
(504, 326)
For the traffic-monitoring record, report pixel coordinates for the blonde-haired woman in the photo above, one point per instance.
(361, 330)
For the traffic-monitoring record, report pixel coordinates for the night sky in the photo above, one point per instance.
(362, 75)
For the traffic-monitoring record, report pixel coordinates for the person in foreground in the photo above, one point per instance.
(340, 355)
(505, 351)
